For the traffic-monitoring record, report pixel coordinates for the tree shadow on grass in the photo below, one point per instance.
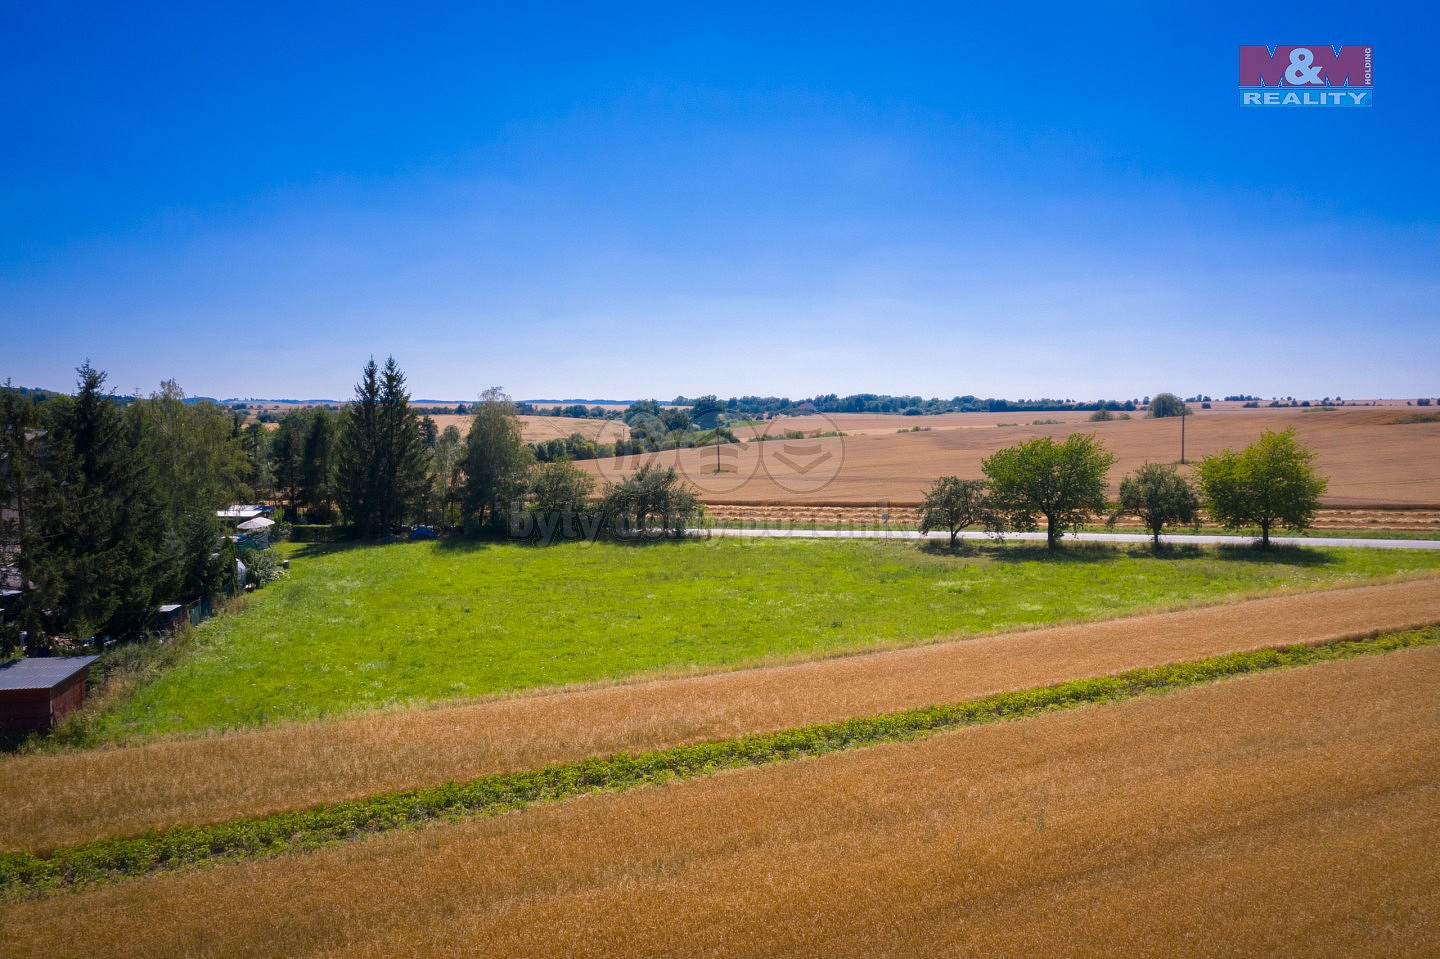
(1030, 551)
(963, 549)
(1275, 555)
(314, 550)
(1070, 552)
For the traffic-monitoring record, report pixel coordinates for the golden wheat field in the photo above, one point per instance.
(537, 429)
(1290, 813)
(1368, 458)
(213, 778)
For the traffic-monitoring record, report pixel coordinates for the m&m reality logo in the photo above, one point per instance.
(1317, 75)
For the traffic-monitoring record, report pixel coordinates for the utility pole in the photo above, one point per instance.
(1184, 411)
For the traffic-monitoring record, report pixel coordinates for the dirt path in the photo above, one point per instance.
(1291, 813)
(170, 782)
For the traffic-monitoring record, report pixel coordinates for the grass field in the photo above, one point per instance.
(206, 779)
(1285, 813)
(367, 627)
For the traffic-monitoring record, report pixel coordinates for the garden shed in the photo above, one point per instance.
(36, 692)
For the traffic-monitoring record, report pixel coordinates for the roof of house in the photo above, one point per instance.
(239, 512)
(41, 672)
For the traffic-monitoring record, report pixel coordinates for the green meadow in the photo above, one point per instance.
(371, 626)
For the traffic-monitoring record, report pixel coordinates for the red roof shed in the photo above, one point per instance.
(35, 693)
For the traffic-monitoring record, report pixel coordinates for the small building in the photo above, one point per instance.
(239, 513)
(36, 692)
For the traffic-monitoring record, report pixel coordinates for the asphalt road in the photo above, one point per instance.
(1142, 538)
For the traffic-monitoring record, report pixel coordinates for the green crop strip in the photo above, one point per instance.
(106, 860)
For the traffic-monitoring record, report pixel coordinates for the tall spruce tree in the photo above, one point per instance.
(380, 468)
(357, 465)
(92, 550)
(405, 458)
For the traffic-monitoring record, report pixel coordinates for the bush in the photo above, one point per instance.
(651, 498)
(262, 567)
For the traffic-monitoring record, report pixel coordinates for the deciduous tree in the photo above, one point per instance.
(1062, 482)
(1270, 483)
(1167, 404)
(952, 504)
(1160, 497)
(496, 461)
(648, 497)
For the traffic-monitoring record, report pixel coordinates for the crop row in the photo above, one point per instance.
(26, 874)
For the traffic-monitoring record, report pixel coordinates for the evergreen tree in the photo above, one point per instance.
(405, 463)
(381, 467)
(16, 417)
(357, 456)
(92, 552)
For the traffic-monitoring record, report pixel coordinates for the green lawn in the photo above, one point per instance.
(370, 626)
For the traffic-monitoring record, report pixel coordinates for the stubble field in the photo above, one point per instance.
(1369, 459)
(1290, 812)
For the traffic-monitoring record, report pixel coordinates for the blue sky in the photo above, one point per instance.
(650, 200)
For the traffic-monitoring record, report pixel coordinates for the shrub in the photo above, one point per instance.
(651, 498)
(262, 567)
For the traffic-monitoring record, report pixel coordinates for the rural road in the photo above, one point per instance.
(1173, 539)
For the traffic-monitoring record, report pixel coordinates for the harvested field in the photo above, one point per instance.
(1369, 459)
(902, 516)
(1286, 813)
(536, 429)
(127, 790)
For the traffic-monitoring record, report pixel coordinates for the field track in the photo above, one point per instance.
(209, 779)
(1288, 813)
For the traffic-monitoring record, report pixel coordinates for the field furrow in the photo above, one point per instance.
(1291, 812)
(191, 781)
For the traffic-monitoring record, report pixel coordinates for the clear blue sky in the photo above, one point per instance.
(1004, 199)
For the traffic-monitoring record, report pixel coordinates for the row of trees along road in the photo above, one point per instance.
(1269, 484)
